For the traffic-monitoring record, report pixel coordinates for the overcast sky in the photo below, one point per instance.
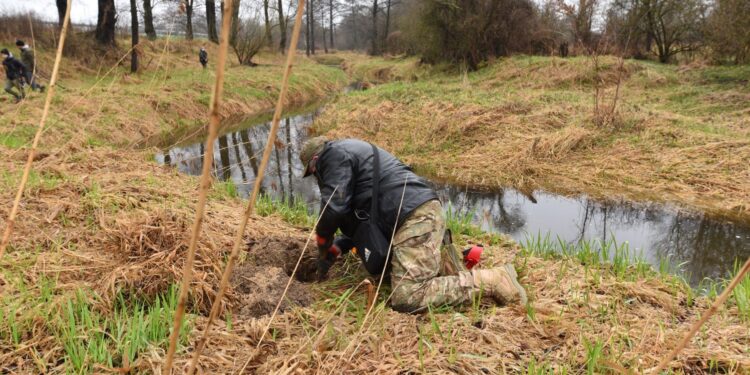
(83, 11)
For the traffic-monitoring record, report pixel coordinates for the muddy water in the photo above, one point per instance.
(696, 244)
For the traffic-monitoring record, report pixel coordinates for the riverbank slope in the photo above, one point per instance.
(88, 283)
(678, 134)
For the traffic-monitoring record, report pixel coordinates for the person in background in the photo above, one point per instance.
(27, 58)
(14, 73)
(203, 57)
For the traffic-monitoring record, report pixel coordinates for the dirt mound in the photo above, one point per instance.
(260, 281)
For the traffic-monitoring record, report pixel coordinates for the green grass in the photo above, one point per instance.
(37, 180)
(293, 211)
(623, 262)
(741, 294)
(89, 333)
(90, 337)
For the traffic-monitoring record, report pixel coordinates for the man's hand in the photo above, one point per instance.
(329, 251)
(324, 261)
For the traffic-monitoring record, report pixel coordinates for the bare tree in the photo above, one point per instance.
(267, 22)
(248, 41)
(282, 26)
(211, 21)
(322, 18)
(234, 30)
(581, 19)
(672, 26)
(148, 19)
(187, 6)
(133, 36)
(105, 23)
(311, 6)
(670, 23)
(307, 30)
(375, 42)
(330, 22)
(387, 19)
(62, 6)
(729, 31)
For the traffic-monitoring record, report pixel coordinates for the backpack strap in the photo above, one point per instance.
(375, 184)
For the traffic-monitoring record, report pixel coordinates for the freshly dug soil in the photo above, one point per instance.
(260, 281)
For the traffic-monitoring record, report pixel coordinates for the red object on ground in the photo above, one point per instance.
(471, 256)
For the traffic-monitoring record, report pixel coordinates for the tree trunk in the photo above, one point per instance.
(189, 23)
(325, 41)
(235, 22)
(307, 30)
(375, 49)
(282, 27)
(62, 6)
(330, 22)
(148, 20)
(211, 21)
(268, 23)
(133, 36)
(387, 21)
(312, 27)
(105, 23)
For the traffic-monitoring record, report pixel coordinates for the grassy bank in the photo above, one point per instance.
(167, 100)
(88, 283)
(679, 135)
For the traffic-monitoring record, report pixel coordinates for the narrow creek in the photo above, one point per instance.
(694, 243)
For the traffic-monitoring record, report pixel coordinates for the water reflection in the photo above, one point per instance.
(701, 246)
(237, 159)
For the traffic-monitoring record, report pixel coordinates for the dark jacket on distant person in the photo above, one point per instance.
(14, 69)
(348, 165)
(27, 58)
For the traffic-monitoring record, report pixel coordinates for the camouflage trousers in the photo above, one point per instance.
(10, 84)
(423, 272)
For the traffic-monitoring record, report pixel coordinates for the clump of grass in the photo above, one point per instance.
(460, 222)
(741, 294)
(594, 354)
(224, 189)
(292, 210)
(90, 337)
(624, 263)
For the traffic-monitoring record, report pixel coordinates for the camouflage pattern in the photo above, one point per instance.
(422, 274)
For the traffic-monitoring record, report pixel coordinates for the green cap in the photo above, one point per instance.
(310, 148)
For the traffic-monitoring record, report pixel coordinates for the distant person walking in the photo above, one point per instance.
(14, 74)
(203, 56)
(27, 58)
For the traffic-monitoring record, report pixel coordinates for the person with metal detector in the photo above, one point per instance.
(370, 194)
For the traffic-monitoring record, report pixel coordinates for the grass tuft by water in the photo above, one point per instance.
(293, 211)
(625, 263)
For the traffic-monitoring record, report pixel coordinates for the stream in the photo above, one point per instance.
(694, 243)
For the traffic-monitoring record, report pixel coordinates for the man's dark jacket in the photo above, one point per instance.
(27, 57)
(348, 165)
(14, 69)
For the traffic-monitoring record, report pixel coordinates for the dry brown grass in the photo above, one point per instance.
(105, 219)
(529, 122)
